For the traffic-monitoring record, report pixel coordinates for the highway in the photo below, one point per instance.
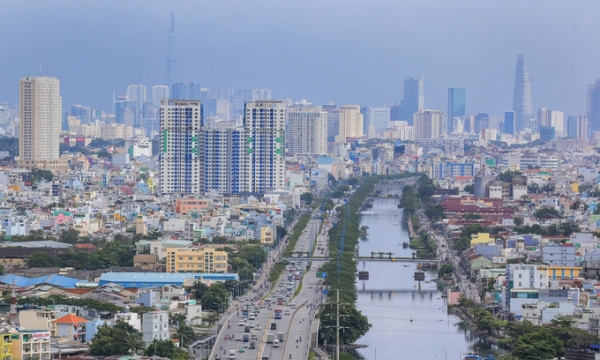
(297, 310)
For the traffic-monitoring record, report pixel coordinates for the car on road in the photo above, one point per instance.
(287, 312)
(242, 322)
(238, 338)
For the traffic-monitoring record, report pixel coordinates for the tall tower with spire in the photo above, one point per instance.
(523, 96)
(172, 55)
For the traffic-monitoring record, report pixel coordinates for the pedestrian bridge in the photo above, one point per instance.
(371, 259)
(396, 259)
(395, 291)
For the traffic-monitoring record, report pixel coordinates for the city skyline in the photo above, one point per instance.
(214, 48)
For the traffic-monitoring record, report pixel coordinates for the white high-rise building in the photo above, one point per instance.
(180, 165)
(306, 130)
(351, 123)
(557, 120)
(264, 164)
(40, 117)
(429, 124)
(261, 94)
(136, 94)
(378, 118)
(159, 92)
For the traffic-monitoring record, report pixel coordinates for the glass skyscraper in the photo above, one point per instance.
(523, 95)
(593, 106)
(413, 101)
(509, 122)
(456, 107)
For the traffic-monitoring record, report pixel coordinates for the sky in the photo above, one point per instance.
(344, 51)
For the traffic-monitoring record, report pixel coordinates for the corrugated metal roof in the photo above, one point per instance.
(55, 280)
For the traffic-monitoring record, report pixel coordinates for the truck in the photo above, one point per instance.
(270, 338)
(252, 344)
(247, 328)
(244, 312)
(246, 337)
(253, 335)
(278, 313)
(280, 336)
(275, 343)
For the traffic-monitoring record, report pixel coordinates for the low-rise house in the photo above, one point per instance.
(146, 262)
(155, 326)
(72, 327)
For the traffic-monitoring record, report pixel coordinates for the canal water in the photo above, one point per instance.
(407, 324)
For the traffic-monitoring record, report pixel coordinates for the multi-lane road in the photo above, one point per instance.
(297, 309)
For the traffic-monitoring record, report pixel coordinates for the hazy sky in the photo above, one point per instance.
(345, 51)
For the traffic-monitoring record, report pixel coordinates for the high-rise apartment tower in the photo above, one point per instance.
(306, 130)
(180, 123)
(40, 114)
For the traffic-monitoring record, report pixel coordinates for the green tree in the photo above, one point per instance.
(166, 348)
(546, 210)
(185, 334)
(176, 318)
(198, 289)
(307, 197)
(70, 236)
(134, 342)
(41, 259)
(113, 340)
(507, 176)
(540, 345)
(434, 212)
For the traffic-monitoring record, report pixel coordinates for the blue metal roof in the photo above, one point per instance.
(151, 279)
(11, 279)
(55, 280)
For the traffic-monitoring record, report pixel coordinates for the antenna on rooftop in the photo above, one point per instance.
(14, 317)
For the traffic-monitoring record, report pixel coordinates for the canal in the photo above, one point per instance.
(407, 324)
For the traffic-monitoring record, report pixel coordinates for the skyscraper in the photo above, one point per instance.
(41, 115)
(523, 96)
(172, 55)
(429, 124)
(306, 130)
(222, 151)
(482, 121)
(351, 123)
(413, 101)
(544, 116)
(136, 96)
(333, 121)
(378, 118)
(456, 107)
(180, 122)
(159, 92)
(509, 122)
(264, 165)
(547, 133)
(185, 91)
(248, 158)
(577, 127)
(593, 106)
